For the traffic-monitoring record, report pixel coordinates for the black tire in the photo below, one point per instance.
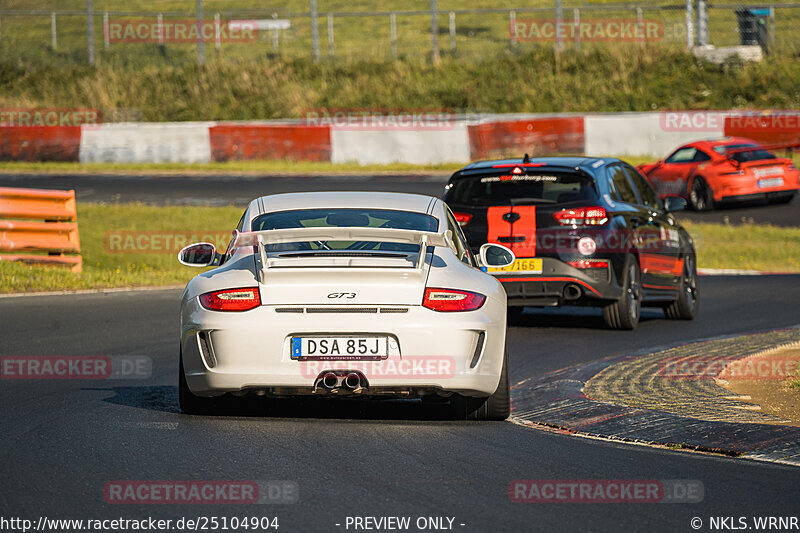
(191, 404)
(700, 196)
(686, 305)
(514, 316)
(495, 407)
(625, 312)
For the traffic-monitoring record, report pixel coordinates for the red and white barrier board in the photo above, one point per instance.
(464, 139)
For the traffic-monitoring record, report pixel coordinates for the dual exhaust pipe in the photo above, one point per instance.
(336, 380)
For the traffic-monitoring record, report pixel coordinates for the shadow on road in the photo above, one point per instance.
(572, 317)
(164, 399)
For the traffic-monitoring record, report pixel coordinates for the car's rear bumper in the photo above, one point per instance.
(749, 197)
(549, 288)
(746, 187)
(434, 352)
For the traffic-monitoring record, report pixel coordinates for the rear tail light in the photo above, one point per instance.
(462, 218)
(231, 299)
(582, 216)
(588, 263)
(448, 300)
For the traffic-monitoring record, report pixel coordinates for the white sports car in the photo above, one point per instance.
(347, 294)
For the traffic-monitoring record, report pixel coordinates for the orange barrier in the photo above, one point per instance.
(536, 136)
(51, 239)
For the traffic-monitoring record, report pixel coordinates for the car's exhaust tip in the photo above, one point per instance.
(572, 291)
(352, 381)
(330, 380)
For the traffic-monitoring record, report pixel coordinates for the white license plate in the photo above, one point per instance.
(770, 182)
(340, 347)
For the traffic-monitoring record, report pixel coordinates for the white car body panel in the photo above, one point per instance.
(252, 349)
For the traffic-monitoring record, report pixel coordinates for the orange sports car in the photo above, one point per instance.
(707, 173)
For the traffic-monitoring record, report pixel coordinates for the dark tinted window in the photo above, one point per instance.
(750, 152)
(646, 192)
(493, 189)
(462, 250)
(623, 190)
(344, 218)
(700, 156)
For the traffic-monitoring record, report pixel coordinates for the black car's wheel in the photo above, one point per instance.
(514, 316)
(685, 306)
(700, 196)
(624, 313)
(190, 403)
(495, 407)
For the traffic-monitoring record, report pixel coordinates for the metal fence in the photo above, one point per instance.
(136, 37)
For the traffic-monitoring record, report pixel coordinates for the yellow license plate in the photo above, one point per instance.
(531, 265)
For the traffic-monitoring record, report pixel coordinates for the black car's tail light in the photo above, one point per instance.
(582, 216)
(462, 218)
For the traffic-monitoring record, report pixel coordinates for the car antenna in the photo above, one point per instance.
(526, 159)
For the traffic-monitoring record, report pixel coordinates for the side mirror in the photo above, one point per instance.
(201, 254)
(674, 203)
(496, 256)
(659, 162)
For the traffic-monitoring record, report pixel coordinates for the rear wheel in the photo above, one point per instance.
(624, 313)
(701, 197)
(514, 316)
(189, 402)
(685, 307)
(495, 407)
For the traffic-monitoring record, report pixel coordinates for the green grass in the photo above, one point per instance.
(103, 267)
(477, 35)
(748, 247)
(619, 78)
(744, 247)
(234, 167)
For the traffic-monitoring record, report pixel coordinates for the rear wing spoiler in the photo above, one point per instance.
(768, 147)
(423, 239)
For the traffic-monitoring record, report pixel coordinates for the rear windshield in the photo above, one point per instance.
(345, 218)
(545, 188)
(752, 152)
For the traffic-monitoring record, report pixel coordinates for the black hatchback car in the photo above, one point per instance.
(586, 231)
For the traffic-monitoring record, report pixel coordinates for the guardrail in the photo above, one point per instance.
(40, 221)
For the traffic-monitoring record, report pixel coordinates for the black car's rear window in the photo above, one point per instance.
(539, 187)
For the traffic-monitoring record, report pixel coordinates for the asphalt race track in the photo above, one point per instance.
(63, 440)
(239, 190)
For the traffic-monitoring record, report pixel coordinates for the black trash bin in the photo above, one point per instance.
(753, 26)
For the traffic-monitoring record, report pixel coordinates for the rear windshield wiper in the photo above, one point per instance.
(531, 201)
